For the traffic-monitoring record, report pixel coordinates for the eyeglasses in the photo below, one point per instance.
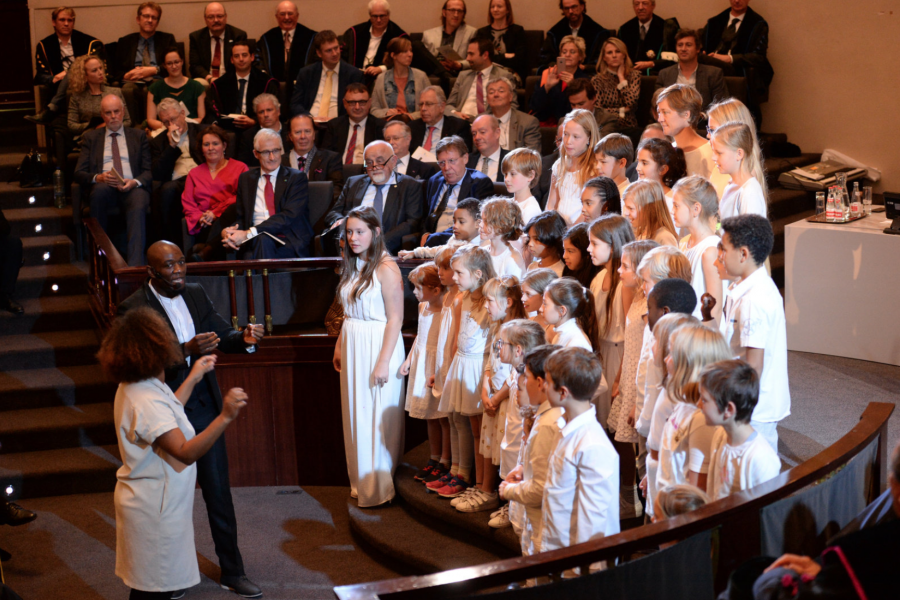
(429, 104)
(378, 163)
(269, 153)
(356, 102)
(450, 161)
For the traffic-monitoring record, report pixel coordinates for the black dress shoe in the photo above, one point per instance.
(14, 515)
(43, 117)
(11, 306)
(241, 586)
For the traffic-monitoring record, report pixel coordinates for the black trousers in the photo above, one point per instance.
(170, 211)
(10, 263)
(134, 205)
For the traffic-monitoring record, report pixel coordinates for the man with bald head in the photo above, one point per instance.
(115, 167)
(488, 155)
(287, 48)
(396, 198)
(200, 331)
(211, 46)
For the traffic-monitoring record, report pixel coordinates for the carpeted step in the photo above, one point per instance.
(40, 280)
(61, 472)
(65, 386)
(53, 313)
(36, 429)
(46, 220)
(48, 250)
(48, 350)
(785, 203)
(12, 196)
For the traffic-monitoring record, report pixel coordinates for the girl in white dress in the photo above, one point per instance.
(735, 155)
(658, 160)
(545, 233)
(644, 206)
(521, 167)
(533, 287)
(501, 225)
(695, 206)
(569, 307)
(368, 355)
(420, 367)
(576, 165)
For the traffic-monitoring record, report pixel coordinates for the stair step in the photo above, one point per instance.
(12, 196)
(35, 429)
(53, 313)
(48, 250)
(43, 220)
(776, 166)
(785, 203)
(38, 281)
(57, 472)
(12, 156)
(64, 386)
(48, 350)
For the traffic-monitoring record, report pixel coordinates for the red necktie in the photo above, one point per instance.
(217, 58)
(351, 147)
(427, 144)
(269, 193)
(479, 93)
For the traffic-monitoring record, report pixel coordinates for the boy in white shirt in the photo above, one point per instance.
(753, 319)
(466, 225)
(740, 457)
(581, 495)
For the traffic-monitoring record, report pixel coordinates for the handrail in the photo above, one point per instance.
(723, 513)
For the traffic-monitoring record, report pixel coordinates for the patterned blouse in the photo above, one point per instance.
(610, 97)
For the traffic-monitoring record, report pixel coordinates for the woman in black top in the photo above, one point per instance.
(509, 38)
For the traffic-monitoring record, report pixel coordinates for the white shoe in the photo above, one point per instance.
(479, 501)
(502, 509)
(502, 519)
(465, 494)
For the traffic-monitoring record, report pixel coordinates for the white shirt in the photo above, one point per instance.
(260, 210)
(246, 88)
(647, 384)
(508, 263)
(530, 209)
(493, 165)
(581, 495)
(453, 242)
(369, 196)
(754, 318)
(470, 105)
(66, 53)
(123, 153)
(690, 80)
(504, 131)
(402, 165)
(558, 267)
(662, 410)
(226, 60)
(695, 258)
(736, 468)
(446, 218)
(372, 51)
(358, 158)
(179, 316)
(290, 34)
(686, 445)
(435, 135)
(185, 162)
(747, 199)
(570, 335)
(333, 107)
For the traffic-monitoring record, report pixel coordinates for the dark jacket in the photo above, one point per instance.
(452, 126)
(90, 161)
(552, 106)
(473, 185)
(291, 218)
(403, 207)
(223, 99)
(48, 62)
(245, 144)
(356, 43)
(590, 31)
(126, 50)
(201, 53)
(473, 163)
(514, 40)
(420, 170)
(660, 38)
(749, 50)
(710, 82)
(541, 191)
(325, 166)
(337, 132)
(163, 156)
(307, 85)
(271, 51)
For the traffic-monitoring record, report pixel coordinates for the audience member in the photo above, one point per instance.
(510, 45)
(87, 86)
(315, 91)
(453, 32)
(435, 125)
(287, 48)
(231, 95)
(614, 154)
(549, 102)
(178, 86)
(582, 94)
(517, 129)
(706, 79)
(575, 165)
(399, 136)
(366, 44)
(618, 85)
(10, 263)
(488, 155)
(211, 47)
(115, 166)
(272, 205)
(349, 134)
(319, 164)
(468, 98)
(647, 36)
(575, 23)
(387, 100)
(267, 110)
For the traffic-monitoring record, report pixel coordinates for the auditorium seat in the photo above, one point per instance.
(351, 171)
(321, 198)
(500, 189)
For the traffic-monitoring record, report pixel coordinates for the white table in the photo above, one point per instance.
(842, 289)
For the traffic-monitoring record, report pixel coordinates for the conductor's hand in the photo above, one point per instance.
(253, 333)
(234, 401)
(803, 565)
(707, 304)
(202, 367)
(202, 343)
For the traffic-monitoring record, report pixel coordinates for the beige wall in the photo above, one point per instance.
(836, 84)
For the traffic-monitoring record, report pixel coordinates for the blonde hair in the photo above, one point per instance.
(740, 136)
(683, 99)
(693, 347)
(733, 110)
(474, 258)
(503, 288)
(524, 160)
(666, 325)
(636, 251)
(539, 279)
(653, 213)
(678, 499)
(426, 275)
(601, 66)
(78, 73)
(576, 41)
(665, 262)
(523, 333)
(444, 256)
(503, 216)
(586, 165)
(695, 189)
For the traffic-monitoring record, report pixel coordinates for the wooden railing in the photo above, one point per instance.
(735, 517)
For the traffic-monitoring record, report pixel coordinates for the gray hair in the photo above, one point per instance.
(506, 80)
(442, 98)
(406, 130)
(384, 3)
(265, 98)
(267, 134)
(167, 104)
(375, 143)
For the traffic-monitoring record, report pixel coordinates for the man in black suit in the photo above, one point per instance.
(115, 166)
(349, 134)
(455, 182)
(285, 49)
(272, 205)
(211, 46)
(706, 79)
(647, 36)
(318, 164)
(358, 46)
(320, 86)
(488, 155)
(200, 330)
(396, 198)
(233, 93)
(399, 136)
(267, 109)
(10, 263)
(574, 22)
(434, 125)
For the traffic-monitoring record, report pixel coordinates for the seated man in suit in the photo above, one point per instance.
(517, 129)
(399, 136)
(350, 133)
(366, 43)
(575, 22)
(267, 109)
(453, 32)
(233, 93)
(434, 124)
(582, 94)
(706, 79)
(455, 182)
(488, 155)
(272, 205)
(287, 48)
(318, 164)
(211, 46)
(115, 166)
(647, 36)
(396, 198)
(320, 86)
(468, 98)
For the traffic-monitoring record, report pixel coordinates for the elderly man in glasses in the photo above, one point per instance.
(396, 198)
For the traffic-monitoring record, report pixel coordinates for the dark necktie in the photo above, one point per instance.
(287, 56)
(436, 215)
(727, 42)
(301, 163)
(479, 93)
(216, 59)
(378, 204)
(351, 147)
(116, 157)
(643, 31)
(269, 193)
(242, 87)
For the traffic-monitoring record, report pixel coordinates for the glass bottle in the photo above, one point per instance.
(829, 206)
(856, 202)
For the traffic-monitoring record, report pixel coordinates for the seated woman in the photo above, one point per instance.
(176, 85)
(387, 101)
(509, 38)
(549, 103)
(209, 192)
(87, 86)
(618, 85)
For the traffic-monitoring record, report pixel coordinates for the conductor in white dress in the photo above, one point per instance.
(368, 355)
(154, 497)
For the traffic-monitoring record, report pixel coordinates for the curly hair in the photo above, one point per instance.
(503, 216)
(140, 345)
(753, 232)
(78, 73)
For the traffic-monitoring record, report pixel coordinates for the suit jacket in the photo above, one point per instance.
(403, 207)
(271, 49)
(164, 156)
(524, 131)
(473, 185)
(356, 43)
(516, 44)
(201, 53)
(464, 84)
(475, 156)
(325, 166)
(206, 320)
(126, 49)
(90, 161)
(660, 38)
(420, 170)
(291, 218)
(542, 189)
(306, 86)
(452, 126)
(749, 50)
(590, 31)
(553, 106)
(223, 97)
(431, 39)
(710, 82)
(337, 133)
(48, 62)
(245, 145)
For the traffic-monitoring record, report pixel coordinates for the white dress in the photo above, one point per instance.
(508, 263)
(154, 496)
(747, 199)
(373, 415)
(420, 402)
(568, 203)
(493, 428)
(695, 257)
(441, 359)
(462, 389)
(627, 398)
(611, 344)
